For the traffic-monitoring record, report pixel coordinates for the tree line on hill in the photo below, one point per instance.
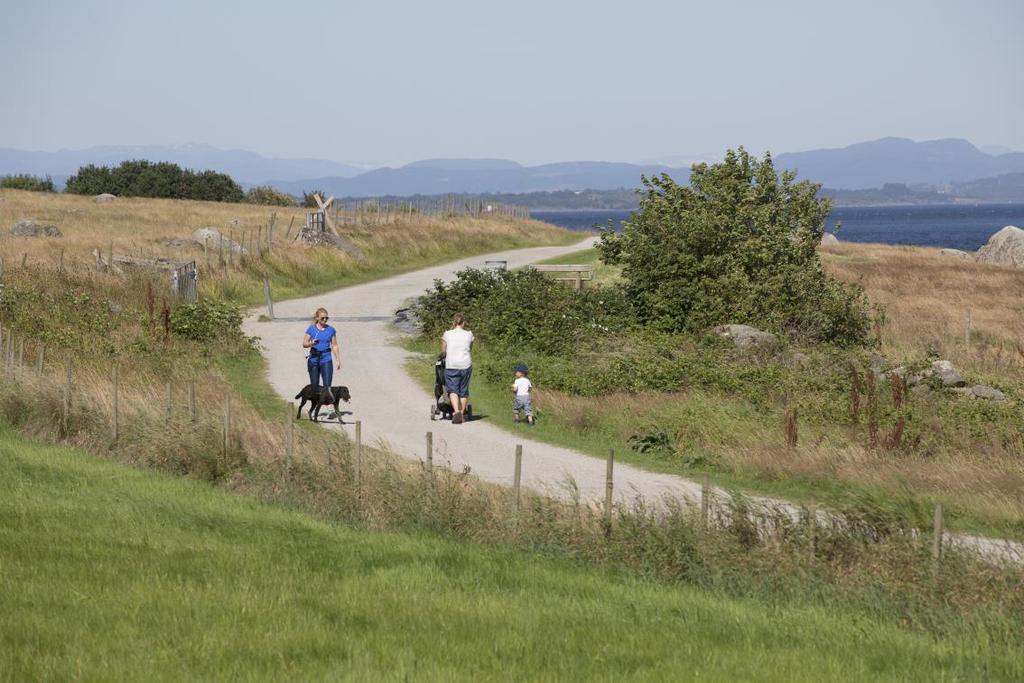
(159, 180)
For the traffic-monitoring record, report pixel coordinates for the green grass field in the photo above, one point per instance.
(110, 573)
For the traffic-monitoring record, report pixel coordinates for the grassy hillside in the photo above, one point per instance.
(725, 419)
(163, 227)
(117, 574)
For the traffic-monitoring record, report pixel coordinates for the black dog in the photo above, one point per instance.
(318, 397)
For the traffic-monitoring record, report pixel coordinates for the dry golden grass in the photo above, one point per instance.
(142, 227)
(927, 298)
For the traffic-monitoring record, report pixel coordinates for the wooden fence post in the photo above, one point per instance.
(517, 478)
(289, 453)
(66, 412)
(359, 458)
(937, 533)
(608, 488)
(20, 370)
(430, 452)
(116, 417)
(227, 425)
(270, 299)
(705, 502)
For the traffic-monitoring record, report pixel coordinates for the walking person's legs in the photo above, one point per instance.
(313, 368)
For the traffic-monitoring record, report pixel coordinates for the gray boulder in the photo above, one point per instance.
(986, 392)
(829, 240)
(104, 198)
(943, 370)
(1005, 248)
(408, 322)
(212, 237)
(958, 253)
(746, 337)
(26, 227)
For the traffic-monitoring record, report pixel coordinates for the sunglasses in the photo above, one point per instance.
(324, 319)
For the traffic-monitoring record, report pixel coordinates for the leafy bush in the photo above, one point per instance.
(737, 246)
(207, 320)
(309, 199)
(522, 310)
(160, 180)
(28, 182)
(269, 196)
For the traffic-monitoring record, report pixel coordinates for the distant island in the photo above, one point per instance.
(1003, 189)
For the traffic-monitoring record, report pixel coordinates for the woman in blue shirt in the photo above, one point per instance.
(322, 341)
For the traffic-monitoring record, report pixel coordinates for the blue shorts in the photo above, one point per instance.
(457, 381)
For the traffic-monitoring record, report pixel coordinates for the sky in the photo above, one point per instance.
(392, 82)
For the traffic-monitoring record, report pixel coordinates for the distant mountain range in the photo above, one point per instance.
(446, 176)
(941, 166)
(899, 160)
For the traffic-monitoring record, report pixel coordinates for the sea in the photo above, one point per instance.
(958, 226)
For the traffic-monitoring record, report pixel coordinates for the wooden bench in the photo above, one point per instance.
(577, 273)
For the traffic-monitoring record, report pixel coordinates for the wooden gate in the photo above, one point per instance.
(185, 282)
(315, 220)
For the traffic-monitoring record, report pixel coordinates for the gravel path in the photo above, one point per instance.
(394, 410)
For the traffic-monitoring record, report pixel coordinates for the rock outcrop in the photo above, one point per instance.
(1005, 248)
(104, 198)
(982, 391)
(26, 227)
(829, 240)
(957, 253)
(945, 373)
(746, 337)
(212, 237)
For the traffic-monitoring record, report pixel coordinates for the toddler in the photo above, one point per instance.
(521, 388)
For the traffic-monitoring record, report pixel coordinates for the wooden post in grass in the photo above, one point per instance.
(289, 452)
(967, 328)
(20, 370)
(270, 299)
(705, 502)
(517, 478)
(359, 458)
(608, 488)
(430, 452)
(227, 425)
(66, 406)
(39, 361)
(24, 258)
(110, 258)
(115, 423)
(192, 400)
(937, 533)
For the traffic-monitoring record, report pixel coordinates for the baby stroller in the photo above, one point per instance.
(442, 405)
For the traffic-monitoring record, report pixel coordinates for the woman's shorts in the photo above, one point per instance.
(457, 381)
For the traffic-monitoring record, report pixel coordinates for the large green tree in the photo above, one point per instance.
(736, 246)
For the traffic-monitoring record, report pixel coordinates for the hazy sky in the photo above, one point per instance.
(391, 82)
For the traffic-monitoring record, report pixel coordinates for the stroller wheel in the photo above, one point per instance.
(433, 413)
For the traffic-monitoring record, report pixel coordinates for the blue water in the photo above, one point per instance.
(958, 226)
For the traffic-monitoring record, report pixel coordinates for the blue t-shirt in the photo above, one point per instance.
(321, 337)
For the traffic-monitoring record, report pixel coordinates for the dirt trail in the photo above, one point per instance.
(394, 410)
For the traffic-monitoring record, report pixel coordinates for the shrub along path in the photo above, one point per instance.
(394, 409)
